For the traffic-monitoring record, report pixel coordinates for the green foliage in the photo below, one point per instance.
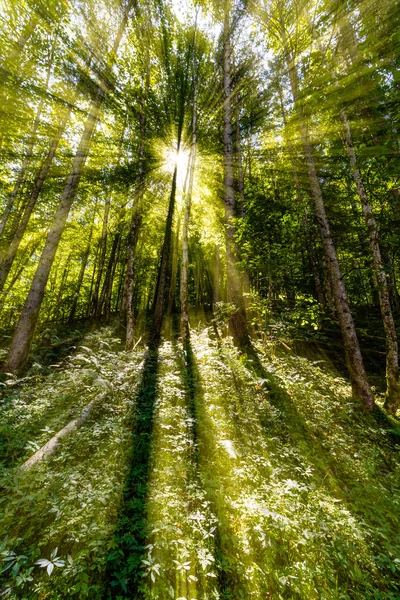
(259, 476)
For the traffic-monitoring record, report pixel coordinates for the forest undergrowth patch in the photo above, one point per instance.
(262, 478)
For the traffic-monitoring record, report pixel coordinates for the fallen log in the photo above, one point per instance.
(59, 343)
(51, 446)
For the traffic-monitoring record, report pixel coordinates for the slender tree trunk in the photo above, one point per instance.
(30, 144)
(184, 298)
(392, 400)
(23, 335)
(108, 295)
(174, 268)
(92, 283)
(238, 324)
(61, 289)
(358, 377)
(102, 256)
(80, 277)
(108, 276)
(136, 220)
(216, 274)
(163, 271)
(241, 210)
(26, 254)
(8, 256)
(20, 43)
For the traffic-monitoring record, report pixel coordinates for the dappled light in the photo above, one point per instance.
(199, 300)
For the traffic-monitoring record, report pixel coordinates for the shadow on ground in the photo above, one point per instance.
(124, 563)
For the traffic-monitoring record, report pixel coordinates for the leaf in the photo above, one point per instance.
(50, 568)
(42, 562)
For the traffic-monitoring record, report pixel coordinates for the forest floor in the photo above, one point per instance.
(201, 475)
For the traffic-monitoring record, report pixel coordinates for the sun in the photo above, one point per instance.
(179, 159)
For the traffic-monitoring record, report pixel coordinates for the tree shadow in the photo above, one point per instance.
(226, 544)
(124, 563)
(334, 474)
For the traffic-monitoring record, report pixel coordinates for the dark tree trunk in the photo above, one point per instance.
(163, 271)
(80, 277)
(238, 324)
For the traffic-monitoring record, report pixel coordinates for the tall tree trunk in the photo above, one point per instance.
(184, 296)
(20, 43)
(80, 277)
(26, 254)
(28, 155)
(311, 256)
(108, 275)
(238, 324)
(241, 209)
(64, 277)
(23, 335)
(174, 267)
(101, 256)
(163, 271)
(216, 274)
(392, 400)
(355, 365)
(184, 299)
(136, 219)
(8, 256)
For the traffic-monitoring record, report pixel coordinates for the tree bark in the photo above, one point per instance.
(237, 322)
(102, 256)
(30, 144)
(80, 277)
(8, 256)
(392, 400)
(136, 220)
(108, 275)
(23, 335)
(162, 278)
(184, 299)
(355, 365)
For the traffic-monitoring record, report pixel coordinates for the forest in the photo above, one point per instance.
(199, 299)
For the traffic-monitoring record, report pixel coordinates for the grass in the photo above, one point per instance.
(205, 474)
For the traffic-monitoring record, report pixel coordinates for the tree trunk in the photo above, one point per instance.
(162, 277)
(108, 275)
(8, 256)
(216, 274)
(238, 324)
(80, 277)
(30, 144)
(355, 365)
(64, 277)
(102, 256)
(392, 400)
(23, 335)
(174, 267)
(136, 220)
(184, 299)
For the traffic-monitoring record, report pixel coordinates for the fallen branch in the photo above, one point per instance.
(51, 446)
(75, 338)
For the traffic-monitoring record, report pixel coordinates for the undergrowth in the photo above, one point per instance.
(203, 474)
